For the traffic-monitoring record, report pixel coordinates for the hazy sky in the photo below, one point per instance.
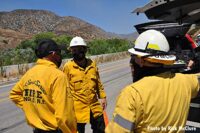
(110, 15)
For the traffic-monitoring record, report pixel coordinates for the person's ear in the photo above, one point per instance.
(142, 61)
(53, 53)
(139, 61)
(70, 50)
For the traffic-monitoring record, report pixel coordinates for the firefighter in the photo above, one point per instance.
(159, 99)
(86, 88)
(43, 93)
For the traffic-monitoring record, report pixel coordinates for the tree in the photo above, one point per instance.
(27, 44)
(44, 35)
(108, 46)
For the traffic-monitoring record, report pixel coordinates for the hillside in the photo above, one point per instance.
(26, 23)
(10, 38)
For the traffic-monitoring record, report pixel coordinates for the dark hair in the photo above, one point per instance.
(45, 46)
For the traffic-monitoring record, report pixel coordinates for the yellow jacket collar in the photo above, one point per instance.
(89, 64)
(74, 64)
(46, 63)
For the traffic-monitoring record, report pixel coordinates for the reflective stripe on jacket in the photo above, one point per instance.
(44, 95)
(154, 104)
(86, 88)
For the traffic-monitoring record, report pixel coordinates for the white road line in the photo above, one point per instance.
(7, 85)
(4, 99)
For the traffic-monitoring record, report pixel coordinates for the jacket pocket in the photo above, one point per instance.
(77, 83)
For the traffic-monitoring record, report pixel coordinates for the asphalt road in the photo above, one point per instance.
(114, 75)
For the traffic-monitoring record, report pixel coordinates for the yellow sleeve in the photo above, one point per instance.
(65, 69)
(197, 88)
(127, 112)
(101, 90)
(16, 94)
(195, 85)
(64, 106)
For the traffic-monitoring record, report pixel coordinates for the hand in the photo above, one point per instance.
(190, 64)
(104, 103)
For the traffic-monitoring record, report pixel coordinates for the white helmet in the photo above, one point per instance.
(77, 41)
(154, 47)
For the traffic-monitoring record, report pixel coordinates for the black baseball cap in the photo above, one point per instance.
(46, 47)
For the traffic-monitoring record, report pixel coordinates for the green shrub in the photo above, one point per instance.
(24, 52)
(16, 56)
(23, 56)
(107, 46)
(63, 39)
(44, 35)
(27, 44)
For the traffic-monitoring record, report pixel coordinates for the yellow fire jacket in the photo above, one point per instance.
(154, 104)
(44, 95)
(86, 88)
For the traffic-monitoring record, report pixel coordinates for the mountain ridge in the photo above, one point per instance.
(28, 22)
